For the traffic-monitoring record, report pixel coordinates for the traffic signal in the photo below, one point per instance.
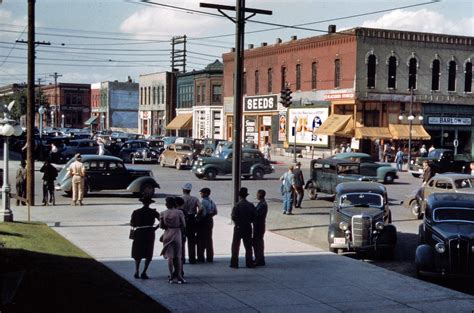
(285, 97)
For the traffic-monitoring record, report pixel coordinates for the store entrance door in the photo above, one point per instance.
(265, 131)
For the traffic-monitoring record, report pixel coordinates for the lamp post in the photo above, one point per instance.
(62, 121)
(41, 111)
(410, 118)
(295, 120)
(102, 121)
(53, 124)
(8, 128)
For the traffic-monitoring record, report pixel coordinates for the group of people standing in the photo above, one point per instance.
(292, 188)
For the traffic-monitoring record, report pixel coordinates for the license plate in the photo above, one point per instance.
(339, 241)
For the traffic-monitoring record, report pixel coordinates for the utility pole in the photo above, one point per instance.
(239, 21)
(178, 56)
(55, 109)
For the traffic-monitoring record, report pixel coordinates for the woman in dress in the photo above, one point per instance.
(144, 237)
(172, 221)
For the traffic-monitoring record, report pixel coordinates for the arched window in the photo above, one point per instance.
(435, 73)
(412, 68)
(298, 77)
(270, 80)
(283, 77)
(371, 62)
(257, 82)
(452, 76)
(337, 73)
(468, 77)
(314, 75)
(392, 72)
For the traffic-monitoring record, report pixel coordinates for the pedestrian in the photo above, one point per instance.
(243, 215)
(53, 154)
(101, 144)
(431, 148)
(336, 150)
(423, 151)
(179, 204)
(267, 151)
(172, 221)
(261, 211)
(205, 224)
(428, 172)
(472, 168)
(49, 176)
(348, 148)
(399, 159)
(287, 190)
(343, 148)
(299, 182)
(143, 221)
(77, 172)
(191, 207)
(21, 183)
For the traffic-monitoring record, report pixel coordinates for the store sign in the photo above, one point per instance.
(338, 96)
(261, 103)
(144, 115)
(250, 129)
(444, 120)
(305, 122)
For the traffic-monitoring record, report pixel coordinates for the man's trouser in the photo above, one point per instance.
(258, 244)
(204, 240)
(77, 188)
(191, 237)
(244, 233)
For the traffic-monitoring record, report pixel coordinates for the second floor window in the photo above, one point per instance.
(198, 94)
(468, 77)
(203, 93)
(435, 73)
(337, 73)
(298, 77)
(154, 95)
(412, 72)
(257, 82)
(314, 75)
(216, 93)
(163, 94)
(452, 76)
(149, 95)
(392, 72)
(283, 77)
(371, 65)
(141, 95)
(270, 80)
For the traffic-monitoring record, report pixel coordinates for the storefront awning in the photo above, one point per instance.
(372, 133)
(334, 124)
(91, 120)
(402, 131)
(348, 130)
(181, 122)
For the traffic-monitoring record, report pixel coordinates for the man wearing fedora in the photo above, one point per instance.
(243, 215)
(191, 207)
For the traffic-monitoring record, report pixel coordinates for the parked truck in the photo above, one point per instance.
(441, 161)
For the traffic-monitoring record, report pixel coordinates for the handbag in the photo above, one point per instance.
(131, 235)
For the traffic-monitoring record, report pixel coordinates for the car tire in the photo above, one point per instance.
(389, 178)
(334, 250)
(211, 174)
(390, 217)
(416, 175)
(312, 193)
(147, 189)
(68, 193)
(199, 176)
(258, 174)
(421, 235)
(415, 209)
(177, 165)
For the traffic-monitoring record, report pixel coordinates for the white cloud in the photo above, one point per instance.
(423, 21)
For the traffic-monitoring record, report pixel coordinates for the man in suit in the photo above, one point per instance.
(299, 183)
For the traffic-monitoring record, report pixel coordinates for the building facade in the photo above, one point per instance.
(97, 119)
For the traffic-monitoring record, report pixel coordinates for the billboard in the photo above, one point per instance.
(305, 122)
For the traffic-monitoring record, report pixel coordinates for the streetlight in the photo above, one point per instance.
(62, 121)
(410, 118)
(295, 120)
(102, 119)
(53, 124)
(8, 127)
(41, 111)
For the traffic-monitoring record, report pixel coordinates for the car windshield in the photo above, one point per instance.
(183, 148)
(453, 215)
(464, 183)
(361, 200)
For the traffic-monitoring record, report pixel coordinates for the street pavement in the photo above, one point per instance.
(298, 276)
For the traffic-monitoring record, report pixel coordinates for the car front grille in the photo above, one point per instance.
(361, 230)
(460, 258)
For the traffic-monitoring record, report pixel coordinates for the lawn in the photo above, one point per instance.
(59, 277)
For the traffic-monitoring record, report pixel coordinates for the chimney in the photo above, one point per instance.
(278, 40)
(294, 37)
(331, 29)
(263, 44)
(251, 46)
(232, 49)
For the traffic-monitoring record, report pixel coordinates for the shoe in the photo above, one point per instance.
(192, 261)
(250, 265)
(234, 266)
(144, 276)
(170, 281)
(74, 203)
(284, 212)
(210, 261)
(182, 281)
(260, 263)
(136, 276)
(44, 203)
(289, 213)
(201, 260)
(80, 203)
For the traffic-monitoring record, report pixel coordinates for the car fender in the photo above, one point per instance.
(383, 170)
(424, 257)
(255, 166)
(388, 235)
(334, 231)
(136, 185)
(210, 166)
(66, 184)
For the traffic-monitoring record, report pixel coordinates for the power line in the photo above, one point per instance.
(13, 47)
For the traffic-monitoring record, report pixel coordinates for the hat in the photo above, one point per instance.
(187, 186)
(298, 163)
(205, 191)
(243, 192)
(146, 200)
(78, 156)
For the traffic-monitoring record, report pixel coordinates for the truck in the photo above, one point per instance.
(441, 161)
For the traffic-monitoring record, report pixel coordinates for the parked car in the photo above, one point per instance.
(441, 161)
(360, 219)
(156, 144)
(82, 146)
(128, 149)
(381, 172)
(440, 183)
(169, 140)
(109, 173)
(447, 236)
(177, 155)
(145, 155)
(253, 165)
(326, 174)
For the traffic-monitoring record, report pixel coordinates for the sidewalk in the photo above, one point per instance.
(298, 277)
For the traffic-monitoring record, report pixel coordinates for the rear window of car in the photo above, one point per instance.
(453, 214)
(183, 148)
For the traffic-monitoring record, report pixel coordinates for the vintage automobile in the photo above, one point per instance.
(253, 164)
(447, 182)
(108, 173)
(129, 148)
(441, 161)
(177, 155)
(381, 172)
(82, 146)
(326, 174)
(447, 236)
(360, 219)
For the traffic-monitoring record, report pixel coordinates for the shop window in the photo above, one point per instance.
(257, 82)
(452, 76)
(314, 75)
(435, 74)
(372, 60)
(283, 77)
(468, 77)
(270, 80)
(412, 68)
(392, 72)
(298, 76)
(337, 73)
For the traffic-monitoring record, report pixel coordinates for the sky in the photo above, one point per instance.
(99, 40)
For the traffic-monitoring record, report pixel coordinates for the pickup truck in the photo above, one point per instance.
(441, 161)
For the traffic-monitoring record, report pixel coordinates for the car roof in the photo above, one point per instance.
(453, 176)
(334, 161)
(350, 155)
(92, 157)
(81, 140)
(243, 150)
(361, 186)
(450, 199)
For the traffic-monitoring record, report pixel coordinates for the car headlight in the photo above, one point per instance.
(343, 225)
(440, 247)
(379, 225)
(472, 249)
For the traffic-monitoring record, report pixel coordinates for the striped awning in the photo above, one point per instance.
(334, 124)
(91, 120)
(182, 121)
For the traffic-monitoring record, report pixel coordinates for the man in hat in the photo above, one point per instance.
(205, 224)
(77, 172)
(243, 215)
(191, 207)
(299, 183)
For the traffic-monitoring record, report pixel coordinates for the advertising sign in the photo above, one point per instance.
(307, 122)
(445, 120)
(282, 126)
(261, 103)
(250, 129)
